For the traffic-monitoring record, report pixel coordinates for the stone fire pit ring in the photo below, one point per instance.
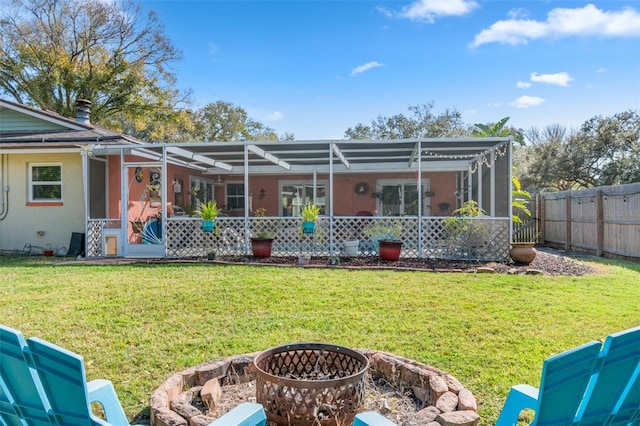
(311, 384)
(441, 399)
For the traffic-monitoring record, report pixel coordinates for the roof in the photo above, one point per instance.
(341, 156)
(68, 132)
(436, 154)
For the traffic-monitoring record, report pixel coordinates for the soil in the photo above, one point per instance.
(547, 262)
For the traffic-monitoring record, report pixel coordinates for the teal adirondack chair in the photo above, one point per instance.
(592, 385)
(44, 384)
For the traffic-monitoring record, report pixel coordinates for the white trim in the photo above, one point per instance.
(313, 184)
(31, 183)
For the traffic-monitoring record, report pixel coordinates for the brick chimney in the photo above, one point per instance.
(83, 109)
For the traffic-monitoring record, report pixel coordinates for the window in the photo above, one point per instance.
(200, 190)
(45, 182)
(398, 197)
(235, 196)
(294, 196)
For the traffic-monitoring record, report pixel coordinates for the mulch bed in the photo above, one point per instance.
(546, 262)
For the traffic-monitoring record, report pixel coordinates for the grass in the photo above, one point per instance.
(136, 325)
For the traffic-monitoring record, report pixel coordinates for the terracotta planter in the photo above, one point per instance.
(261, 246)
(522, 252)
(390, 249)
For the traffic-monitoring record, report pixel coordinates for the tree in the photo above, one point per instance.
(498, 130)
(615, 147)
(53, 52)
(224, 122)
(520, 198)
(604, 151)
(422, 123)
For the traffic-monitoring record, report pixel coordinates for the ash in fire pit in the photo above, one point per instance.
(310, 384)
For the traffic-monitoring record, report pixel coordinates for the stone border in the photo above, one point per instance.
(447, 401)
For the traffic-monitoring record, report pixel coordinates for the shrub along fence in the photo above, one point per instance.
(604, 221)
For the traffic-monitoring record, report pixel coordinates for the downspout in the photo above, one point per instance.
(85, 190)
(4, 185)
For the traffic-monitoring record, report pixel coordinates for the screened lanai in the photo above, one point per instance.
(141, 198)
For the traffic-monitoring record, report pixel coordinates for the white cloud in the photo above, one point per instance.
(429, 10)
(601, 70)
(527, 101)
(518, 13)
(557, 79)
(563, 22)
(366, 67)
(495, 105)
(273, 116)
(523, 85)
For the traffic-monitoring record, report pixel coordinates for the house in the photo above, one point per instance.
(134, 199)
(43, 179)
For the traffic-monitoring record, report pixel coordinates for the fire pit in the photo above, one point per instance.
(309, 384)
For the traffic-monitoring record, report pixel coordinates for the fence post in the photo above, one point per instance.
(599, 224)
(540, 206)
(567, 245)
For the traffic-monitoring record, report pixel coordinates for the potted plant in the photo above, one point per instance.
(211, 255)
(467, 233)
(208, 212)
(154, 190)
(309, 214)
(387, 237)
(521, 251)
(262, 239)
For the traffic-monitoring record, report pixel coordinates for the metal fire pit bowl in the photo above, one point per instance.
(309, 384)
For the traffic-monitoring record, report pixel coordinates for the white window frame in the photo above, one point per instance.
(226, 196)
(32, 183)
(319, 183)
(426, 186)
(199, 181)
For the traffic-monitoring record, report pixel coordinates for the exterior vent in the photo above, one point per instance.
(83, 109)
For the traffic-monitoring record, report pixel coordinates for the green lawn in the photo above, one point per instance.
(138, 324)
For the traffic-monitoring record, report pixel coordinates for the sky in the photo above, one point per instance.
(317, 68)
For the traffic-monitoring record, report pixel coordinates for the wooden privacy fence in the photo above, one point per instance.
(604, 221)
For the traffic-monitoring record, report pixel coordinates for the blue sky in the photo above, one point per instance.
(316, 68)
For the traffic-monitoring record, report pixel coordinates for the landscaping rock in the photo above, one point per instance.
(466, 401)
(458, 418)
(211, 393)
(447, 402)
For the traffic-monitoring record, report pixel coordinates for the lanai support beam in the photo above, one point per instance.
(267, 156)
(340, 156)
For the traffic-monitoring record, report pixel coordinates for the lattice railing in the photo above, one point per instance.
(433, 237)
(95, 228)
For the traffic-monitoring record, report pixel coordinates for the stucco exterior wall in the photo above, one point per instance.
(24, 220)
